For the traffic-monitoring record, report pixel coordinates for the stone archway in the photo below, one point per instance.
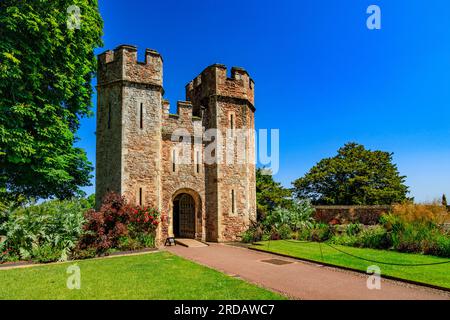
(184, 216)
(191, 214)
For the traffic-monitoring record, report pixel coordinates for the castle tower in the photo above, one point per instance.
(138, 148)
(228, 106)
(129, 125)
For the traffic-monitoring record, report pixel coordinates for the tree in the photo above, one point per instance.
(270, 194)
(444, 200)
(46, 70)
(355, 176)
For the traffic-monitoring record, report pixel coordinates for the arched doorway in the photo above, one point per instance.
(184, 216)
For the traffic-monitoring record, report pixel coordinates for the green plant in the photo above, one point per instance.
(126, 243)
(53, 223)
(321, 232)
(254, 233)
(439, 245)
(298, 216)
(353, 229)
(375, 237)
(345, 240)
(415, 229)
(283, 232)
(80, 254)
(147, 240)
(270, 194)
(45, 89)
(354, 176)
(46, 253)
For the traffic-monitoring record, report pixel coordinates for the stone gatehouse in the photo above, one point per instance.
(137, 153)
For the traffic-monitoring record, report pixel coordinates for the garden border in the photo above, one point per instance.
(417, 283)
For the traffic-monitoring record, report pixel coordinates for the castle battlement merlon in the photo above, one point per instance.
(138, 150)
(213, 81)
(121, 64)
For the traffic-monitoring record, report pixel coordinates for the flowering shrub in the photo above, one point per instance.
(118, 225)
(144, 219)
(103, 228)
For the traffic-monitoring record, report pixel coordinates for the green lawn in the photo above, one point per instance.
(158, 275)
(438, 275)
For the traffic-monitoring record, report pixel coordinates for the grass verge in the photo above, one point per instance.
(433, 275)
(160, 275)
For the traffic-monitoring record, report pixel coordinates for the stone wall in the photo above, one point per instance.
(367, 215)
(222, 96)
(135, 151)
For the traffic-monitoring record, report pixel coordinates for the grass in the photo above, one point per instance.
(158, 275)
(436, 275)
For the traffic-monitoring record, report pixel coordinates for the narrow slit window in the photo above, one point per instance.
(141, 116)
(232, 202)
(109, 116)
(232, 123)
(198, 162)
(174, 160)
(140, 196)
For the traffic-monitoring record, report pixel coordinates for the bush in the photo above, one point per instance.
(375, 237)
(283, 232)
(56, 224)
(281, 223)
(80, 254)
(321, 232)
(417, 231)
(345, 240)
(115, 220)
(46, 253)
(296, 217)
(254, 233)
(105, 227)
(353, 229)
(127, 243)
(438, 246)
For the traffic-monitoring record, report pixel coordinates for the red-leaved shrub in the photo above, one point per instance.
(116, 221)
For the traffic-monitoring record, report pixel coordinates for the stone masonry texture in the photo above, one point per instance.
(135, 148)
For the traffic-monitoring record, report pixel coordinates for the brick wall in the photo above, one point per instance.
(367, 215)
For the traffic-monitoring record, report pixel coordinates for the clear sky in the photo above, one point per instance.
(321, 76)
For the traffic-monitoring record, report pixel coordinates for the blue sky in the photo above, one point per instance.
(322, 78)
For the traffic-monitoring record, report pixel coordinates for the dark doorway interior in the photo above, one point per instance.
(184, 216)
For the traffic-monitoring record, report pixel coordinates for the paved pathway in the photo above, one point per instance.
(300, 280)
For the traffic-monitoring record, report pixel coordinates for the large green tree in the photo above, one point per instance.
(355, 176)
(46, 68)
(270, 194)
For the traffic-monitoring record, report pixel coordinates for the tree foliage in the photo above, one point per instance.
(270, 194)
(45, 88)
(355, 176)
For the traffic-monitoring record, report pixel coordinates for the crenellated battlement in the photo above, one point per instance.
(122, 64)
(213, 81)
(178, 163)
